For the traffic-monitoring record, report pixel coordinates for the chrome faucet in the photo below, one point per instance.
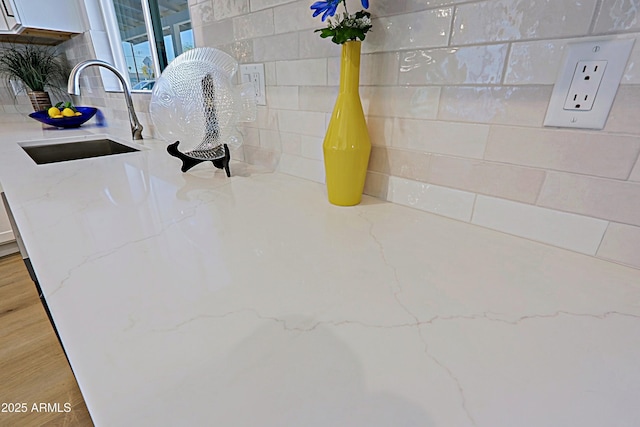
(74, 89)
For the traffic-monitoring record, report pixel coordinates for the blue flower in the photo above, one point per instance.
(365, 4)
(328, 7)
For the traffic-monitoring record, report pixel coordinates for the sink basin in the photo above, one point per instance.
(74, 150)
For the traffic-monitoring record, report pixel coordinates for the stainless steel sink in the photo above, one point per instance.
(74, 150)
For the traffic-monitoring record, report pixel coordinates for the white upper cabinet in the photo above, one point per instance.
(41, 18)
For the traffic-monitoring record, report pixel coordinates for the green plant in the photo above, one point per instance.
(349, 27)
(38, 67)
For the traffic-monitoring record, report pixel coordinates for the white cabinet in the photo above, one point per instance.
(6, 234)
(8, 20)
(39, 18)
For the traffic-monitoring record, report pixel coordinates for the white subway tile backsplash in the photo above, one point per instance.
(398, 101)
(303, 72)
(252, 25)
(498, 20)
(596, 197)
(318, 98)
(431, 198)
(380, 130)
(282, 97)
(581, 152)
(295, 16)
(635, 172)
(229, 8)
(621, 243)
(202, 13)
(456, 139)
(276, 48)
(263, 4)
(623, 117)
(565, 230)
(303, 167)
(410, 31)
(308, 123)
(518, 105)
(312, 46)
(494, 179)
(618, 15)
(378, 69)
(465, 65)
(311, 147)
(534, 62)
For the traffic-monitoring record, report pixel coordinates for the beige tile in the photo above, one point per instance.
(216, 34)
(303, 122)
(276, 48)
(402, 163)
(621, 243)
(377, 69)
(635, 172)
(493, 179)
(465, 65)
(376, 185)
(584, 152)
(623, 117)
(617, 15)
(431, 198)
(263, 4)
(202, 13)
(565, 230)
(304, 72)
(302, 167)
(497, 20)
(311, 147)
(318, 98)
(270, 73)
(597, 197)
(257, 24)
(312, 46)
(632, 72)
(241, 50)
(282, 97)
(534, 62)
(457, 139)
(518, 105)
(295, 16)
(410, 31)
(270, 140)
(229, 8)
(380, 130)
(397, 101)
(250, 136)
(291, 143)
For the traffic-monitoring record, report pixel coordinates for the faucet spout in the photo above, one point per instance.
(73, 88)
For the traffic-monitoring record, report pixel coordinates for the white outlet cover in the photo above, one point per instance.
(616, 52)
(254, 73)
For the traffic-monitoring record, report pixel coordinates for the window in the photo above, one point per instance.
(152, 33)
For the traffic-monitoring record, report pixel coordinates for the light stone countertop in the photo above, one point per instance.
(199, 300)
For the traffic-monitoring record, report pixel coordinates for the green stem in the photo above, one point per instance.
(344, 3)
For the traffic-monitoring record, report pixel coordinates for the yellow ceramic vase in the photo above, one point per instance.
(346, 145)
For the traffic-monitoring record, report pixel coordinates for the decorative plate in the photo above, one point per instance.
(195, 102)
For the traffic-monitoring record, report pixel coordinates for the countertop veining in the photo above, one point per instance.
(197, 299)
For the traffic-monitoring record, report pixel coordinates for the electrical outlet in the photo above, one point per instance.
(254, 73)
(584, 85)
(587, 83)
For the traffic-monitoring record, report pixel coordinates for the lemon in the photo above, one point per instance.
(53, 111)
(68, 112)
(58, 116)
(78, 113)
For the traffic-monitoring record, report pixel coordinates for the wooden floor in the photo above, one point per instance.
(33, 367)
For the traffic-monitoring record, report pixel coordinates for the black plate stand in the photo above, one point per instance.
(188, 162)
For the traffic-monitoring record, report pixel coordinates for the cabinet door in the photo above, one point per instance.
(8, 19)
(58, 15)
(6, 234)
